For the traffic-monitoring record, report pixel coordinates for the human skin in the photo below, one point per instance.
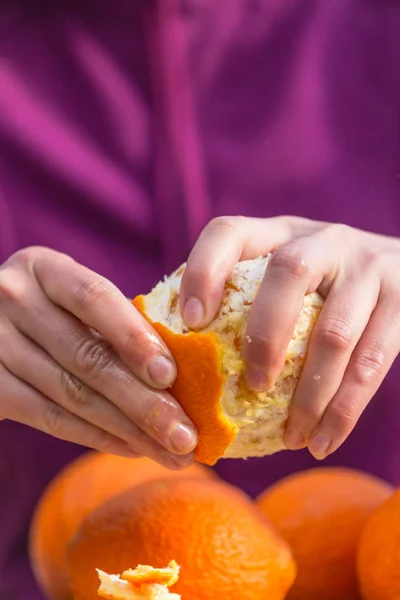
(79, 362)
(356, 338)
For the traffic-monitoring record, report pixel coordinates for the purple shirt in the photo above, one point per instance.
(126, 125)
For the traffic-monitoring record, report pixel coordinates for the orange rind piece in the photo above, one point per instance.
(199, 387)
(145, 574)
(142, 583)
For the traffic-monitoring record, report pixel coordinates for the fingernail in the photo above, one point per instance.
(162, 371)
(183, 438)
(193, 312)
(293, 439)
(256, 378)
(319, 445)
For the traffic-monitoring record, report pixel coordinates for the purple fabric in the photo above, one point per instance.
(126, 125)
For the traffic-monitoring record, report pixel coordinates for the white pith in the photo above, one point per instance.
(260, 417)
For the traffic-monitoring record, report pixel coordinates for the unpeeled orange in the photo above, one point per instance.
(224, 545)
(75, 492)
(321, 514)
(379, 553)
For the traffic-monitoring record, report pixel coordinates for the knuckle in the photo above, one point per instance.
(152, 410)
(136, 339)
(53, 420)
(291, 260)
(229, 225)
(103, 441)
(25, 256)
(392, 290)
(367, 365)
(226, 222)
(343, 415)
(143, 443)
(260, 344)
(76, 391)
(199, 276)
(13, 288)
(91, 291)
(334, 334)
(305, 416)
(338, 230)
(93, 357)
(373, 263)
(310, 414)
(265, 353)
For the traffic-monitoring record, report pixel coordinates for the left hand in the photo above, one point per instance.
(356, 338)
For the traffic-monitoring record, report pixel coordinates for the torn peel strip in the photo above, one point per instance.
(142, 583)
(113, 587)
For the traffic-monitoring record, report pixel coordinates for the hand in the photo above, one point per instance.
(356, 337)
(79, 362)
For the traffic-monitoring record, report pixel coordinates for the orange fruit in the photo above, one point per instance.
(232, 420)
(225, 547)
(378, 559)
(81, 487)
(321, 514)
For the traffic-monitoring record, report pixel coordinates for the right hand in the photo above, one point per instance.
(79, 362)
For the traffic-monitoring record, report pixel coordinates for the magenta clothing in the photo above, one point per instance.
(125, 125)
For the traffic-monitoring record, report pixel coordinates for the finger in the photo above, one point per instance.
(345, 315)
(93, 362)
(224, 242)
(369, 364)
(23, 359)
(294, 270)
(23, 404)
(100, 305)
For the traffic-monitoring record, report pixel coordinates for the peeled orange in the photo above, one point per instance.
(232, 420)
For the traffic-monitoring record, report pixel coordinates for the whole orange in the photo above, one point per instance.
(223, 543)
(81, 487)
(379, 553)
(321, 514)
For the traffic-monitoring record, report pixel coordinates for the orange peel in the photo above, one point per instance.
(232, 420)
(142, 583)
(144, 574)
